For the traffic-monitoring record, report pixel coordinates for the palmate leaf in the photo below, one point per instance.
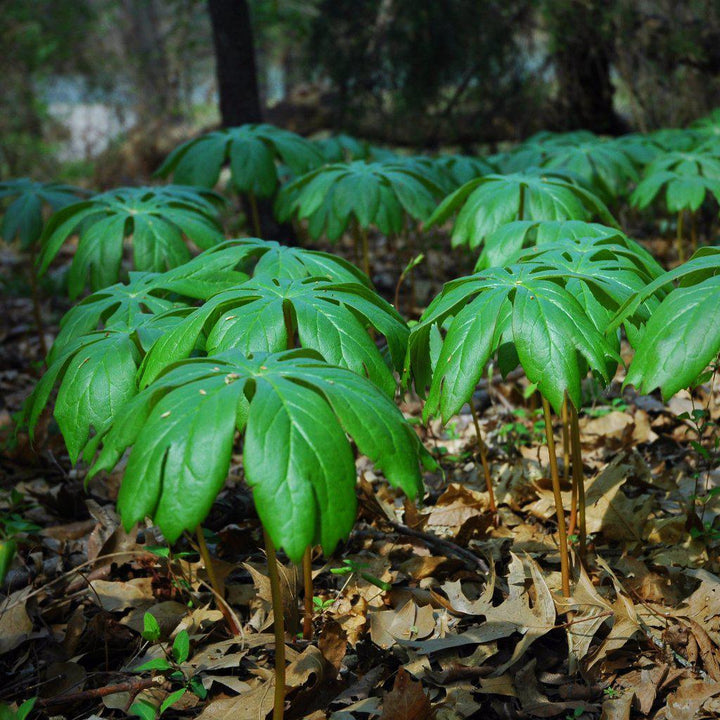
(602, 273)
(533, 152)
(228, 264)
(119, 307)
(683, 191)
(97, 375)
(463, 168)
(504, 245)
(156, 219)
(681, 339)
(641, 149)
(675, 139)
(331, 318)
(704, 264)
(522, 312)
(371, 193)
(483, 205)
(252, 152)
(295, 412)
(23, 218)
(605, 167)
(342, 148)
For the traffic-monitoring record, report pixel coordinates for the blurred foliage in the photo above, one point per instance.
(412, 57)
(402, 72)
(38, 39)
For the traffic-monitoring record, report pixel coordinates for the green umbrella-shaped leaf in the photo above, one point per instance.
(23, 218)
(156, 219)
(526, 305)
(680, 340)
(485, 204)
(252, 151)
(294, 411)
(374, 194)
(330, 318)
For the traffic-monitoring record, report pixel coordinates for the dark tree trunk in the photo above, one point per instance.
(582, 56)
(238, 88)
(235, 58)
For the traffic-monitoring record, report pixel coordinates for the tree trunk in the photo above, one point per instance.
(583, 49)
(235, 58)
(238, 89)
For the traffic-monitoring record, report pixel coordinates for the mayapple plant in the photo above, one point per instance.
(666, 356)
(605, 167)
(522, 315)
(342, 148)
(485, 204)
(536, 149)
(23, 219)
(295, 413)
(505, 245)
(155, 220)
(688, 178)
(103, 340)
(360, 195)
(464, 168)
(252, 151)
(266, 314)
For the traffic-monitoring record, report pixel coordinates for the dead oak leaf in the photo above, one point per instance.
(531, 613)
(407, 700)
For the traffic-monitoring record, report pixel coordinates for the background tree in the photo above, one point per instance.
(581, 50)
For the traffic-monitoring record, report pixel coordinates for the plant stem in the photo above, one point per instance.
(365, 251)
(678, 238)
(566, 465)
(37, 310)
(484, 460)
(693, 231)
(279, 628)
(308, 600)
(562, 535)
(521, 206)
(578, 476)
(207, 560)
(214, 584)
(255, 215)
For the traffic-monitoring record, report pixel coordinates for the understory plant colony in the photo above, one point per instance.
(191, 348)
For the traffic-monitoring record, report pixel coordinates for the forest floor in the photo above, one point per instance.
(432, 611)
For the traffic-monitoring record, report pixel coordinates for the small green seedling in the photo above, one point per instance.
(171, 665)
(350, 567)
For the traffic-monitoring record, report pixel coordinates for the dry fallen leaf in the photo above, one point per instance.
(115, 596)
(332, 643)
(686, 701)
(532, 615)
(609, 510)
(15, 624)
(406, 700)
